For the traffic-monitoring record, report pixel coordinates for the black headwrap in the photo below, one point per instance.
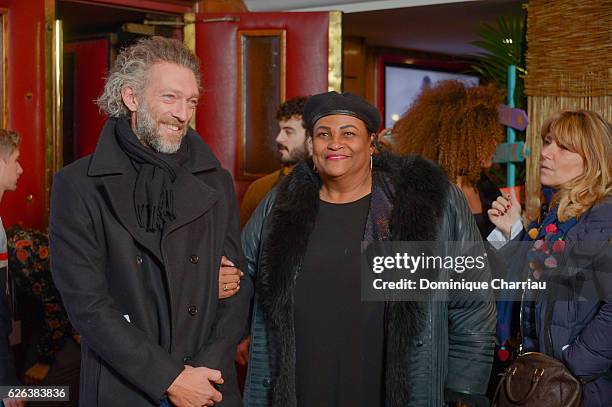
(332, 103)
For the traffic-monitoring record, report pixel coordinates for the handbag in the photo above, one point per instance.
(536, 379)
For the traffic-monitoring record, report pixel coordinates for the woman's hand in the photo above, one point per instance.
(382, 143)
(505, 212)
(242, 353)
(36, 374)
(229, 278)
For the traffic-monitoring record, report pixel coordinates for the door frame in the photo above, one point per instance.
(4, 66)
(186, 9)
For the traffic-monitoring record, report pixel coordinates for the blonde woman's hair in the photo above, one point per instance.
(586, 133)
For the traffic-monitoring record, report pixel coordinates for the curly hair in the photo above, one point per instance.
(290, 108)
(9, 142)
(132, 67)
(455, 126)
(588, 134)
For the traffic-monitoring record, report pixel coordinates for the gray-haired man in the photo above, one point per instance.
(138, 230)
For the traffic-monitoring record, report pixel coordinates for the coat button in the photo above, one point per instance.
(138, 260)
(267, 382)
(187, 359)
(192, 310)
(194, 259)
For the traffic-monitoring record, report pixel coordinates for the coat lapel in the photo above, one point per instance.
(192, 197)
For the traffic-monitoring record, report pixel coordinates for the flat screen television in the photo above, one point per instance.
(404, 83)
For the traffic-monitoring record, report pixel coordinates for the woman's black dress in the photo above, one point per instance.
(339, 338)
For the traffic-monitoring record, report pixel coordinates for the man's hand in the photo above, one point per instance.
(14, 402)
(36, 374)
(242, 353)
(193, 387)
(229, 278)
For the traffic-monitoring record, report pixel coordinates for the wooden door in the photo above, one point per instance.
(251, 62)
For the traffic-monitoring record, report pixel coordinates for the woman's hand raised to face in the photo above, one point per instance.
(504, 213)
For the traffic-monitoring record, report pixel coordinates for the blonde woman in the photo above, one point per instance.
(576, 174)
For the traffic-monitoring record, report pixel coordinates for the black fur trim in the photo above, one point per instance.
(292, 220)
(421, 195)
(422, 190)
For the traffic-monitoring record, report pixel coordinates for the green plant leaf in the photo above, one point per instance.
(503, 44)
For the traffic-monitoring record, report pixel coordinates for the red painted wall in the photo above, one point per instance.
(91, 67)
(26, 105)
(306, 74)
(26, 101)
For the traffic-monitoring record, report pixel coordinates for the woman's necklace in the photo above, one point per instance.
(362, 189)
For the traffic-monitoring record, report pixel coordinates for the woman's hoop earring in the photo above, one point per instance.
(371, 161)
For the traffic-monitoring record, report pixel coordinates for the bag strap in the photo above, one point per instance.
(535, 379)
(498, 389)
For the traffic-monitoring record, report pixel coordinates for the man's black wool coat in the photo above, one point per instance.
(112, 279)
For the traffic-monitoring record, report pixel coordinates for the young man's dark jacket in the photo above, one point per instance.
(433, 347)
(7, 364)
(144, 312)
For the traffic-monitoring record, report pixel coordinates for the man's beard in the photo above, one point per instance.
(297, 154)
(148, 130)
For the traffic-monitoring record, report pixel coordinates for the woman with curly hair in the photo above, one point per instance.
(458, 128)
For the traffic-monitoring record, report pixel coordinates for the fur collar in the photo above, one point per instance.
(404, 189)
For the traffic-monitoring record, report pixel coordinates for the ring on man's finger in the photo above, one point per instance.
(225, 287)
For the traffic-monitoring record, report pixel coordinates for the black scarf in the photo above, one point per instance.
(153, 194)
